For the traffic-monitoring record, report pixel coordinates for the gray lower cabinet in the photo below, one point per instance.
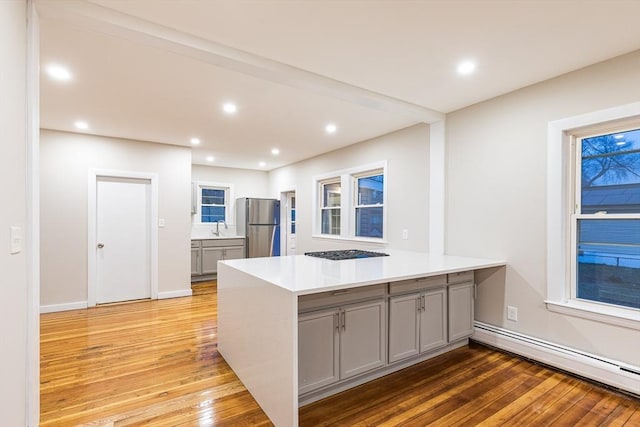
(341, 342)
(461, 298)
(417, 323)
(210, 258)
(206, 253)
(196, 255)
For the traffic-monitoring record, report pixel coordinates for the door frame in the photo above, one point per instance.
(92, 211)
(284, 232)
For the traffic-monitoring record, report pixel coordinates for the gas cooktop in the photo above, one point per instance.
(345, 254)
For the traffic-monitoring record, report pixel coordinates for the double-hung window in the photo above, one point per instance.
(350, 203)
(605, 222)
(369, 205)
(331, 207)
(214, 202)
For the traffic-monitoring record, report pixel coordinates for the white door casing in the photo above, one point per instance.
(122, 209)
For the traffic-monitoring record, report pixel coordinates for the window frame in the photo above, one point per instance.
(324, 208)
(562, 219)
(358, 205)
(228, 200)
(348, 182)
(577, 215)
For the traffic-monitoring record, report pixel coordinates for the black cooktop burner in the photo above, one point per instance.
(345, 254)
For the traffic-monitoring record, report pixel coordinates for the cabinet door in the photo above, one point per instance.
(317, 350)
(195, 262)
(210, 258)
(404, 312)
(460, 311)
(433, 319)
(362, 338)
(234, 252)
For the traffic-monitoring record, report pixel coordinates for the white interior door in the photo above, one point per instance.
(123, 247)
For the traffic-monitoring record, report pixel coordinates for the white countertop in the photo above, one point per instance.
(303, 274)
(205, 236)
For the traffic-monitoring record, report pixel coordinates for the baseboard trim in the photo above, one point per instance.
(175, 294)
(606, 371)
(52, 308)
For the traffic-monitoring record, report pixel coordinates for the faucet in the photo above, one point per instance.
(217, 232)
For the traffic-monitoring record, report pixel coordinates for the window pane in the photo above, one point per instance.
(212, 197)
(212, 213)
(369, 222)
(331, 195)
(370, 190)
(609, 261)
(611, 173)
(331, 221)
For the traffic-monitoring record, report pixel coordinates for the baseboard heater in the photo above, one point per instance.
(590, 366)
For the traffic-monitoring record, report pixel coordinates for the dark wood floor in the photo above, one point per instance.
(156, 363)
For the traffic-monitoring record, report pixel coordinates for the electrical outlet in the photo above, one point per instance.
(512, 313)
(405, 234)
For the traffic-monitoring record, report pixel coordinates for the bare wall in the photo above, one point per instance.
(13, 267)
(407, 154)
(496, 198)
(65, 161)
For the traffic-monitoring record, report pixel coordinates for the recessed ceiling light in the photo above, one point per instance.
(275, 151)
(210, 159)
(330, 128)
(195, 141)
(621, 143)
(58, 72)
(619, 136)
(229, 108)
(82, 125)
(262, 164)
(466, 67)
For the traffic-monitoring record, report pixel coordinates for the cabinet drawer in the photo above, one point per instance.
(341, 296)
(462, 276)
(418, 284)
(212, 243)
(195, 243)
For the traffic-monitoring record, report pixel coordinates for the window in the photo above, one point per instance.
(578, 220)
(331, 204)
(214, 202)
(369, 206)
(605, 223)
(350, 203)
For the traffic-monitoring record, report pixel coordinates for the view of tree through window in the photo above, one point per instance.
(608, 221)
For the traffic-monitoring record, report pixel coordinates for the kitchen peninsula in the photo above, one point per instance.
(279, 314)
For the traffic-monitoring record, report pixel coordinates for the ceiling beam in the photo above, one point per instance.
(108, 21)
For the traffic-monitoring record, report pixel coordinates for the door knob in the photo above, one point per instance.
(100, 245)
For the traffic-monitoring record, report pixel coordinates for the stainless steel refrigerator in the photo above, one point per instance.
(258, 220)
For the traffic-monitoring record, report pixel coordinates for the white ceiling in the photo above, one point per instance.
(159, 70)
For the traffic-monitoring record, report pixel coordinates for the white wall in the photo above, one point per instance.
(13, 167)
(246, 182)
(496, 199)
(65, 161)
(407, 154)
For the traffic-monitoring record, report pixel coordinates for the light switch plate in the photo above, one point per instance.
(16, 240)
(161, 222)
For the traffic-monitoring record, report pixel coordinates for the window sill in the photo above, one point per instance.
(627, 318)
(350, 239)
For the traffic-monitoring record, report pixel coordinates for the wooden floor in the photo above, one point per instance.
(155, 363)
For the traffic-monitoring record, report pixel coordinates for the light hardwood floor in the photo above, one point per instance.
(155, 363)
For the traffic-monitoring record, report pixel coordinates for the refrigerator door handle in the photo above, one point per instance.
(273, 241)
